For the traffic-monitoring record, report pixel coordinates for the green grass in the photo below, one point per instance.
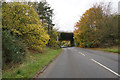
(112, 50)
(34, 63)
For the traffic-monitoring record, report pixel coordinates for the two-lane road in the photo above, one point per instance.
(83, 63)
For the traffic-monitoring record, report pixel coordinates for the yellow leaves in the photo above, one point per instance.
(23, 20)
(87, 26)
(17, 32)
(37, 37)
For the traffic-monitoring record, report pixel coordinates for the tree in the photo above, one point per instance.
(45, 13)
(87, 27)
(95, 27)
(21, 19)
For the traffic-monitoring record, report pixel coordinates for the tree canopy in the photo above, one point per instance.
(96, 27)
(21, 19)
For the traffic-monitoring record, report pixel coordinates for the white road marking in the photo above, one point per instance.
(82, 54)
(106, 67)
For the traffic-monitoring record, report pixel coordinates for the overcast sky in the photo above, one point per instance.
(68, 12)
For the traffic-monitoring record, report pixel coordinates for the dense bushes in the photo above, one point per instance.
(14, 50)
(35, 36)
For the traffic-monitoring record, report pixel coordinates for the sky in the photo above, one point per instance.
(68, 12)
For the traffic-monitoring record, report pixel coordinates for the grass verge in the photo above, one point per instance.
(34, 63)
(112, 50)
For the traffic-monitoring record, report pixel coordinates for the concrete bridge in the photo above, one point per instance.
(66, 36)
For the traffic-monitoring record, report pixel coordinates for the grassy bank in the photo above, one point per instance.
(34, 63)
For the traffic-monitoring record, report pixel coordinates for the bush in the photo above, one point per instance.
(36, 38)
(53, 44)
(14, 49)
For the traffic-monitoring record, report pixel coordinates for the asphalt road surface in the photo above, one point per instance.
(83, 63)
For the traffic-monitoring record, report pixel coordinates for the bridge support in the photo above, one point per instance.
(72, 42)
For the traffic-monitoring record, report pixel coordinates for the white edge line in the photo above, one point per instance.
(106, 67)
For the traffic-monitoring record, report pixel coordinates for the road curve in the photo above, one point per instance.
(83, 63)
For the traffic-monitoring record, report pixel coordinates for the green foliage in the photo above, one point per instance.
(45, 13)
(19, 71)
(14, 50)
(112, 50)
(53, 40)
(34, 63)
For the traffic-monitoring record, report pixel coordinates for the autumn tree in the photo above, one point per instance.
(87, 27)
(92, 26)
(21, 19)
(46, 13)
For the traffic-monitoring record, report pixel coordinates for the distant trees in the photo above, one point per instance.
(97, 27)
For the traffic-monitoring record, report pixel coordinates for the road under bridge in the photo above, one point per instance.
(67, 36)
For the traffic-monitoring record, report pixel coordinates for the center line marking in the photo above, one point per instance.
(106, 67)
(82, 54)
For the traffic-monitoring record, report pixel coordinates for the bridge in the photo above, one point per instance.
(66, 36)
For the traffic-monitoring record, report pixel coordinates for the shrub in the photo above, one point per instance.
(53, 44)
(14, 49)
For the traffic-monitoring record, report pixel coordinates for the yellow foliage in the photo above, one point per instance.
(88, 25)
(22, 20)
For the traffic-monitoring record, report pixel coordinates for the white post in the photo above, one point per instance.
(57, 38)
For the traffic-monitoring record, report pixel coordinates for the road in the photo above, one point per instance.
(83, 63)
